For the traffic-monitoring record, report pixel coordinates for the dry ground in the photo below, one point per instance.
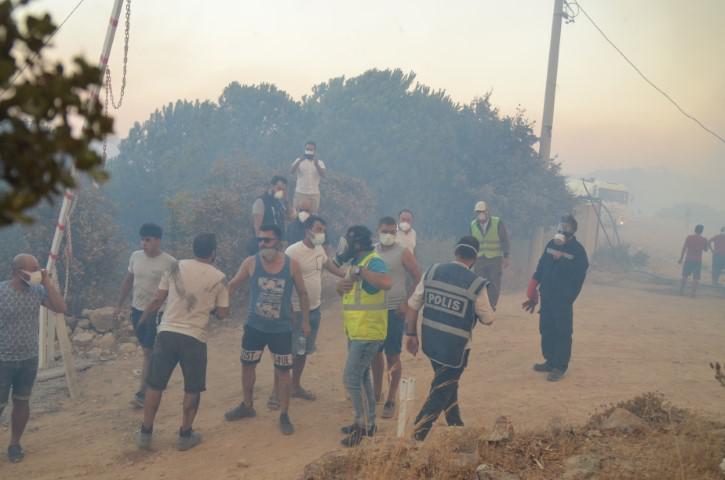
(629, 338)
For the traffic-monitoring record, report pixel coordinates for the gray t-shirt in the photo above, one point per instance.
(393, 257)
(147, 272)
(19, 321)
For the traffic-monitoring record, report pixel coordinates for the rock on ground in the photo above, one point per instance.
(83, 339)
(582, 467)
(106, 342)
(101, 319)
(488, 472)
(503, 431)
(127, 348)
(623, 420)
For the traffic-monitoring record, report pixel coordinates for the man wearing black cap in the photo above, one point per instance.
(453, 298)
(559, 277)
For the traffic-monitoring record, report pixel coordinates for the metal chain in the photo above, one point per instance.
(109, 98)
(109, 86)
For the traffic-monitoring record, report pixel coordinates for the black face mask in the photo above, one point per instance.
(309, 156)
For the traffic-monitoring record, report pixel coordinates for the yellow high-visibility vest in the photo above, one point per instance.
(364, 315)
(490, 244)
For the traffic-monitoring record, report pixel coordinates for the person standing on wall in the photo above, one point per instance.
(309, 170)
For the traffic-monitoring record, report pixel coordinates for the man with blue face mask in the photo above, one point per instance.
(20, 301)
(559, 277)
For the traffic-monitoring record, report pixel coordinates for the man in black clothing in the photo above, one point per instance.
(559, 277)
(269, 208)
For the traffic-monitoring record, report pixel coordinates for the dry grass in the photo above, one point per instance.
(680, 445)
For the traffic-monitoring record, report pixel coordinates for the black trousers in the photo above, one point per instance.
(442, 398)
(556, 328)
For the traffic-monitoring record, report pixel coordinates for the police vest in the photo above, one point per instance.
(364, 315)
(449, 312)
(490, 244)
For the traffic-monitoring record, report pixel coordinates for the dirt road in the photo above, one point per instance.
(629, 338)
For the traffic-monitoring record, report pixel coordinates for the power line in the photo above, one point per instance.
(45, 44)
(644, 77)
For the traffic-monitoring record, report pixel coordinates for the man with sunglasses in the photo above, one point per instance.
(271, 275)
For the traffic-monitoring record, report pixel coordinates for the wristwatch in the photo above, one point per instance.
(356, 270)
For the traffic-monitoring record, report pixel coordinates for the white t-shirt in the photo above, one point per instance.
(311, 261)
(308, 178)
(147, 272)
(408, 240)
(195, 289)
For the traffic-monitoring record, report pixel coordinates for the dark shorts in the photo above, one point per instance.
(692, 267)
(393, 344)
(280, 345)
(146, 333)
(18, 376)
(311, 346)
(172, 348)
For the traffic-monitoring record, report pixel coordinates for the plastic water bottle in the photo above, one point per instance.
(301, 347)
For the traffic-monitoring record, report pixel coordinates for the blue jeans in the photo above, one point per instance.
(360, 354)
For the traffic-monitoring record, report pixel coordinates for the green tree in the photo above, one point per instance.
(39, 104)
(410, 146)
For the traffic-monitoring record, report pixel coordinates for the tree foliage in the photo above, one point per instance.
(39, 105)
(414, 147)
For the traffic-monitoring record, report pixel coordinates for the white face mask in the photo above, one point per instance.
(34, 277)
(268, 253)
(303, 216)
(387, 239)
(318, 239)
(482, 216)
(310, 152)
(559, 239)
(279, 194)
(404, 226)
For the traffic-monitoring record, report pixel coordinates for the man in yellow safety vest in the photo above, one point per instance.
(365, 318)
(493, 256)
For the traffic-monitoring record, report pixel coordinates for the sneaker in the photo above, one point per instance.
(348, 429)
(138, 399)
(15, 453)
(188, 441)
(555, 375)
(285, 426)
(239, 412)
(543, 367)
(304, 394)
(273, 402)
(388, 410)
(143, 440)
(355, 436)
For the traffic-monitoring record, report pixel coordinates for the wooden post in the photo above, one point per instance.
(406, 395)
(66, 351)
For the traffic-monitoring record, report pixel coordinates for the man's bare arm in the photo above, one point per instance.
(377, 279)
(55, 301)
(245, 271)
(155, 304)
(333, 269)
(302, 295)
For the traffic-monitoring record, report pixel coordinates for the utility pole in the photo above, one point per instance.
(48, 320)
(548, 121)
